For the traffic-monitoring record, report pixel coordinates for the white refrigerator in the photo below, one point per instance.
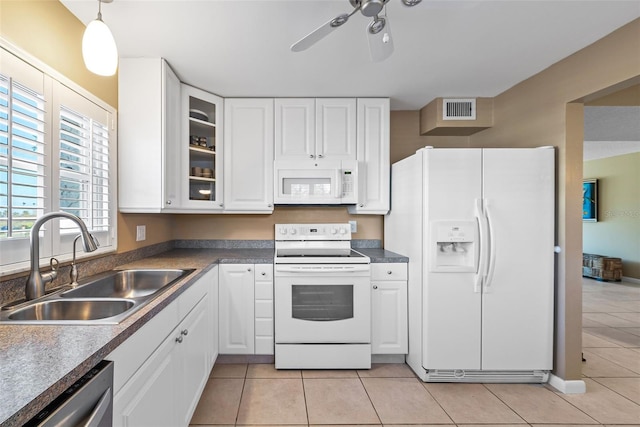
(478, 228)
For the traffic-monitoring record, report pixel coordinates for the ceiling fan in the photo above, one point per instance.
(379, 31)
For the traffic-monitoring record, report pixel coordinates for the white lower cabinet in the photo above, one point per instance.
(236, 315)
(161, 370)
(264, 309)
(246, 309)
(389, 323)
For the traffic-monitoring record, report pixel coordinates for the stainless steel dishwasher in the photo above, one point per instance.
(88, 402)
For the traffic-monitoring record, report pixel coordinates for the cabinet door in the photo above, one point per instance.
(148, 398)
(236, 309)
(374, 168)
(248, 155)
(193, 370)
(171, 106)
(295, 128)
(212, 277)
(146, 89)
(336, 128)
(389, 332)
(202, 133)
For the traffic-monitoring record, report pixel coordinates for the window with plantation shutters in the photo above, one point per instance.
(84, 170)
(21, 158)
(57, 153)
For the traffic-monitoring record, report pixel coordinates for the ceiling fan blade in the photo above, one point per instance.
(380, 42)
(322, 31)
(316, 35)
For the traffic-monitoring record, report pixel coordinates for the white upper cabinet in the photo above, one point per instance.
(374, 169)
(295, 128)
(248, 155)
(308, 128)
(148, 136)
(336, 128)
(202, 132)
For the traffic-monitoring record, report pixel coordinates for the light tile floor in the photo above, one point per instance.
(388, 394)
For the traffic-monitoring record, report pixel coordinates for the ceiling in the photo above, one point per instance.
(611, 131)
(240, 48)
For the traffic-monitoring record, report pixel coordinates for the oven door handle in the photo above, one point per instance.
(321, 268)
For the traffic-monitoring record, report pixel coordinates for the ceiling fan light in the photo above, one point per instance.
(99, 50)
(376, 25)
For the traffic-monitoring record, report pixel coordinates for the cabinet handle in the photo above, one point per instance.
(375, 286)
(222, 205)
(168, 202)
(389, 272)
(263, 273)
(185, 332)
(311, 156)
(320, 156)
(248, 269)
(179, 340)
(269, 205)
(362, 205)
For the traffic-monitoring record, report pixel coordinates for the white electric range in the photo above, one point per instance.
(322, 299)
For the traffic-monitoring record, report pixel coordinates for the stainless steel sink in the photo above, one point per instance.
(127, 284)
(73, 309)
(107, 298)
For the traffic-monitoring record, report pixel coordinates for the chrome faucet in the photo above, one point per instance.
(36, 281)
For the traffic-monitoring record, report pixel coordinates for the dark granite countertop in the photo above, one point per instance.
(379, 255)
(38, 362)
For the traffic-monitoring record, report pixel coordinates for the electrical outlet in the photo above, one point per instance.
(141, 233)
(354, 226)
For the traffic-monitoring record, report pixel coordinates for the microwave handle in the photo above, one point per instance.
(337, 193)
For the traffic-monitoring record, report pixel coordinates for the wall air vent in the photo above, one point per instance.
(458, 109)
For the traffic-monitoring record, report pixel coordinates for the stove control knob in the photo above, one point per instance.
(283, 230)
(334, 230)
(293, 231)
(343, 231)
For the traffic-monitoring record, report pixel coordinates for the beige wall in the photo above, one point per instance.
(617, 232)
(540, 111)
(48, 31)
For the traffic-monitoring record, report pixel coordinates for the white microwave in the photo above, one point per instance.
(311, 182)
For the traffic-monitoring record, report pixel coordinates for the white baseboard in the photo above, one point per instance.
(567, 386)
(631, 280)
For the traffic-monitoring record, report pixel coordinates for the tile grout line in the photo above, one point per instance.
(369, 397)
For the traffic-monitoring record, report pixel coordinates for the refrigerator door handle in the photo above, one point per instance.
(491, 250)
(482, 242)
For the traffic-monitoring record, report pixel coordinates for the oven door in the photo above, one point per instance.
(322, 303)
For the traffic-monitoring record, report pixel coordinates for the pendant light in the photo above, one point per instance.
(99, 49)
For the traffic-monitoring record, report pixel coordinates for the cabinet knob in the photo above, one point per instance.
(185, 332)
(222, 205)
(389, 272)
(320, 156)
(361, 205)
(248, 269)
(311, 156)
(168, 202)
(375, 286)
(269, 205)
(179, 340)
(263, 273)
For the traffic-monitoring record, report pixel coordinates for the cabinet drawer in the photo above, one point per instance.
(264, 290)
(264, 272)
(389, 271)
(264, 308)
(264, 328)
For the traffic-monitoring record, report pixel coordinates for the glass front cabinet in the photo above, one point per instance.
(202, 141)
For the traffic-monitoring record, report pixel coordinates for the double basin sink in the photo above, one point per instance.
(107, 298)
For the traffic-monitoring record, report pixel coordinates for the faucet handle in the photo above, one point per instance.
(51, 276)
